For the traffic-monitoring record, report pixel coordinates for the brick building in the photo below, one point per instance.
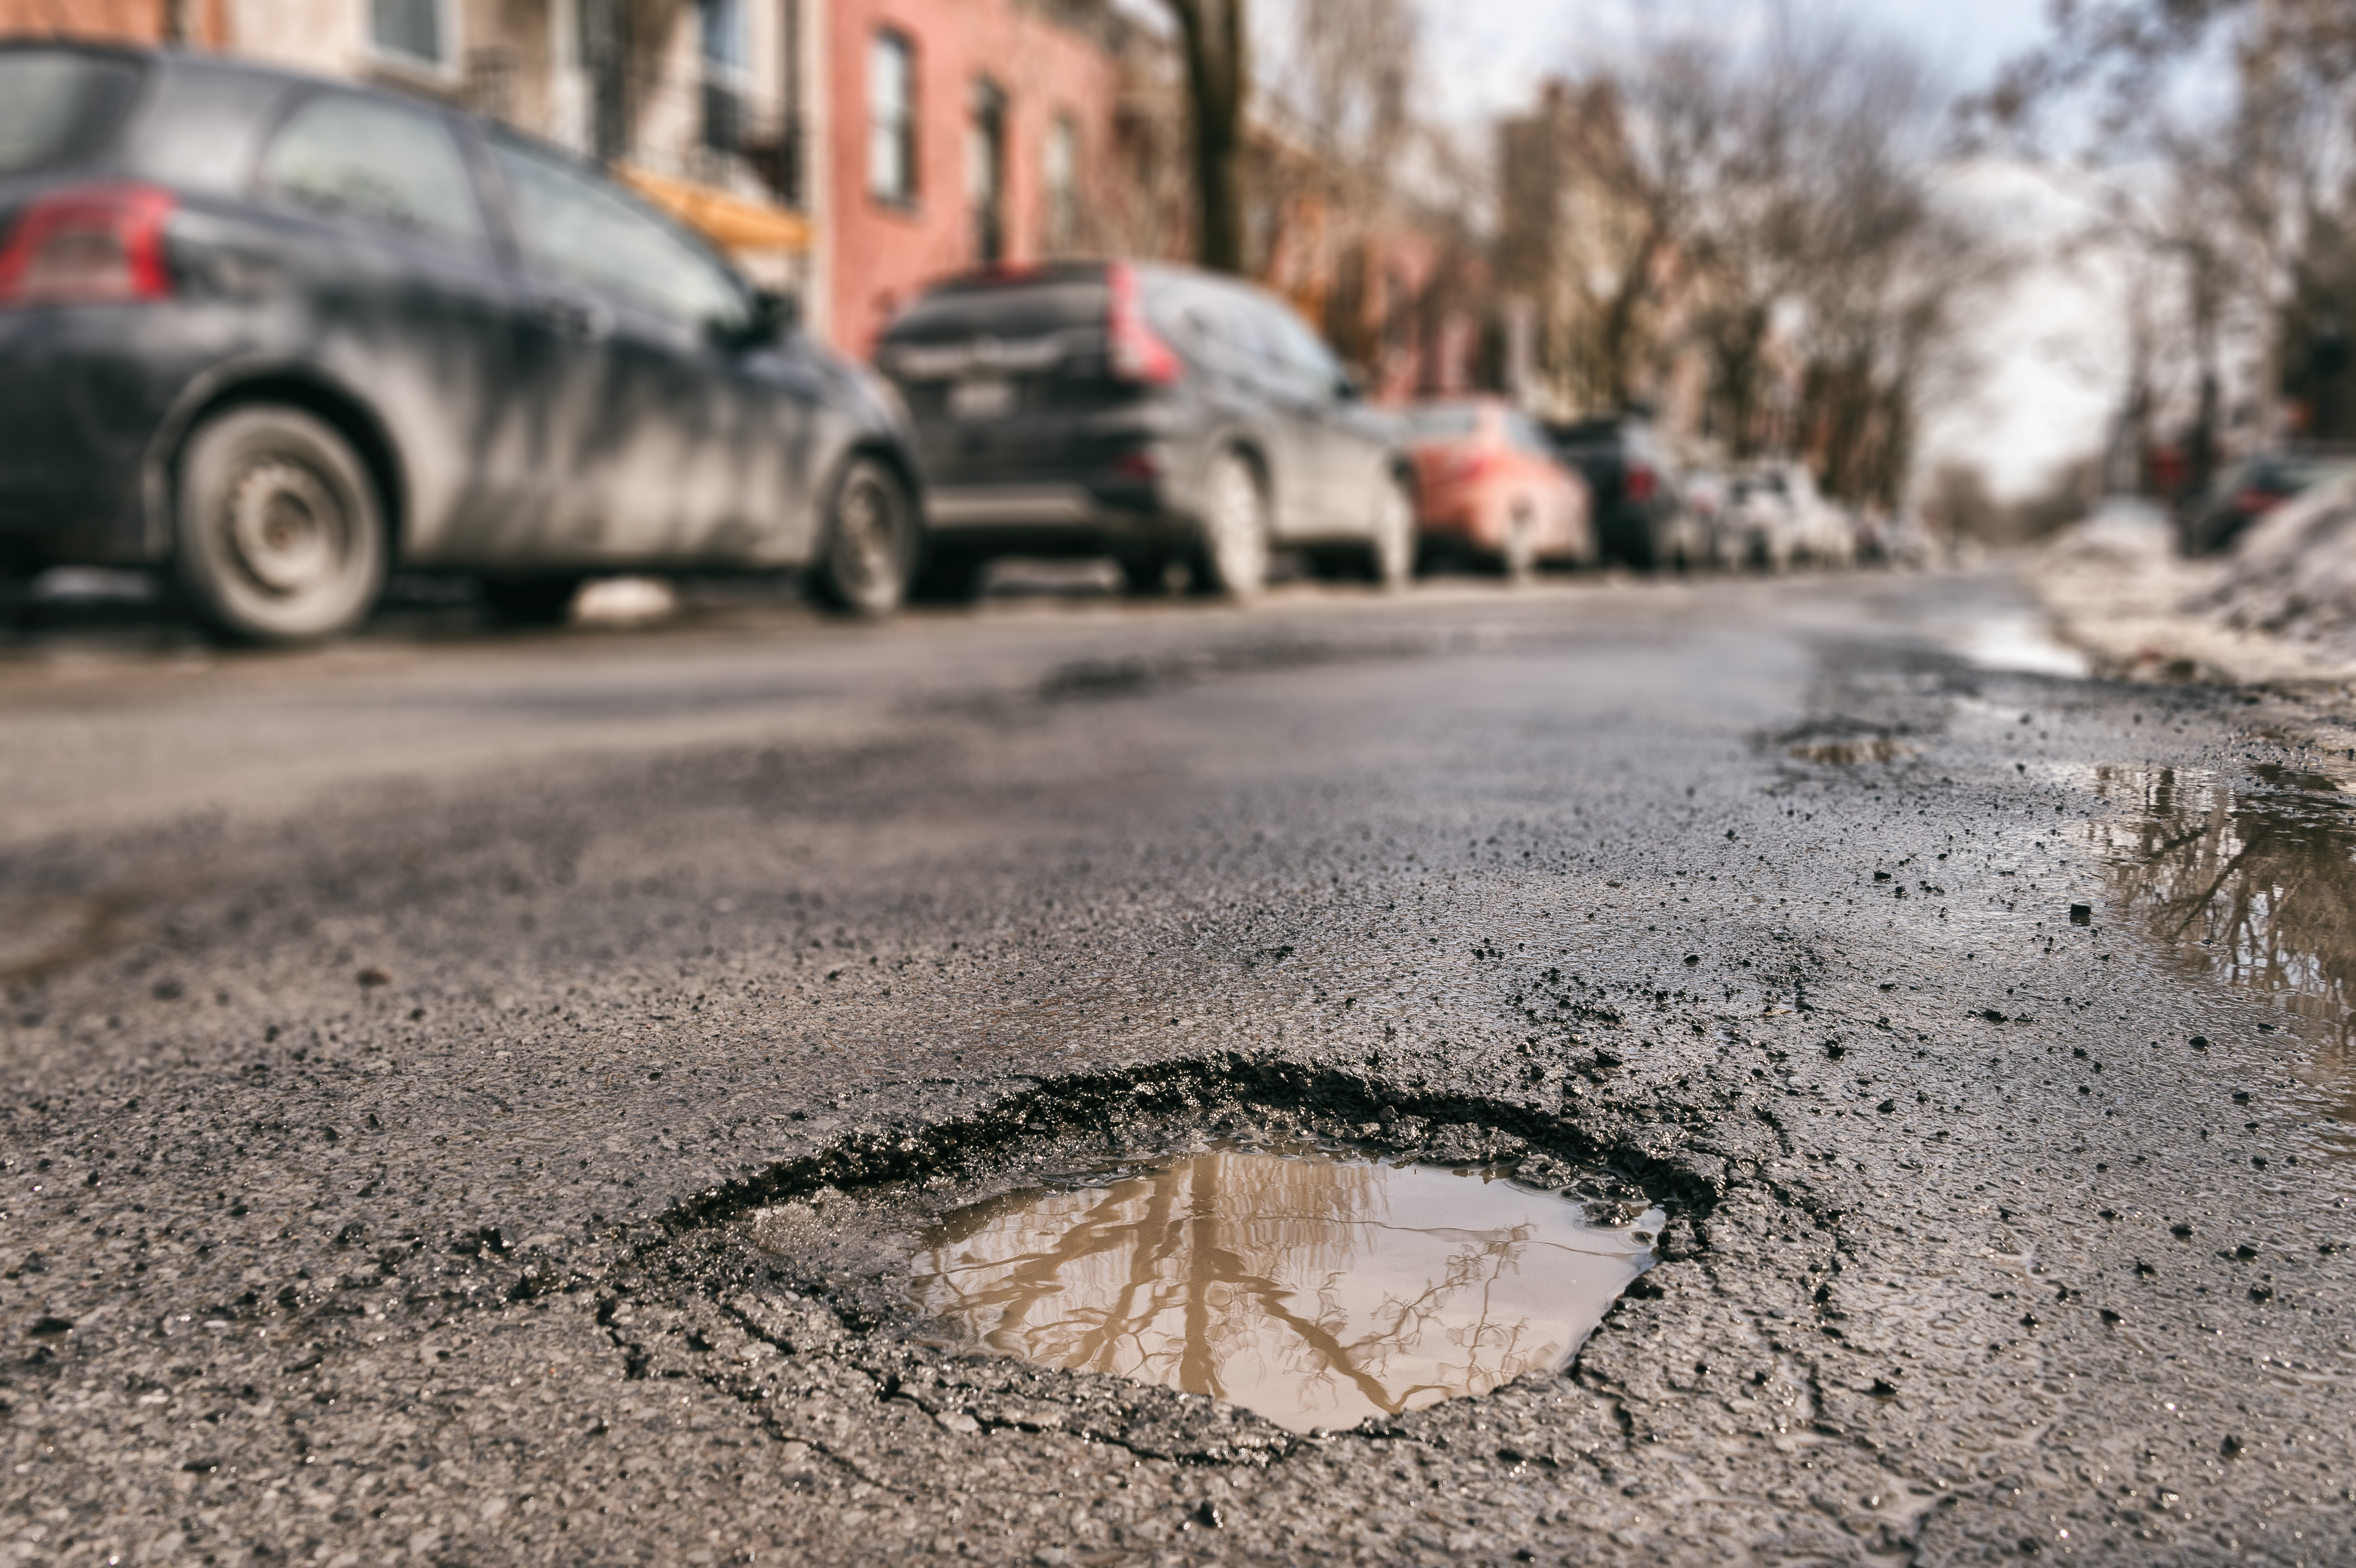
(854, 150)
(964, 131)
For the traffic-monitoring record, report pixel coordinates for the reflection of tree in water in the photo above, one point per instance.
(2258, 885)
(1229, 1270)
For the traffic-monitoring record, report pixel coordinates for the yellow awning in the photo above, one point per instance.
(728, 221)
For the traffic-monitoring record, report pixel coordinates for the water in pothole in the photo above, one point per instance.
(2255, 880)
(1316, 1289)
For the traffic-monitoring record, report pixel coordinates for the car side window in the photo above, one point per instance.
(1212, 326)
(1297, 350)
(569, 225)
(384, 163)
(1522, 433)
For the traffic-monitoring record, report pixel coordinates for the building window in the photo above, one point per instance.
(891, 119)
(985, 172)
(411, 31)
(726, 61)
(1063, 183)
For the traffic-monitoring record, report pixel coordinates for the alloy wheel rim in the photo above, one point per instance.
(1398, 537)
(863, 541)
(1240, 543)
(287, 532)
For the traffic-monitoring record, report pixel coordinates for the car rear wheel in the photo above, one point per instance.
(1234, 554)
(1519, 560)
(1390, 558)
(280, 533)
(870, 542)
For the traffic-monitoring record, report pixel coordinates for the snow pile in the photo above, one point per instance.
(2293, 573)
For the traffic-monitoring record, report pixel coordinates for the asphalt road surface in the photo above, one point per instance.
(468, 1097)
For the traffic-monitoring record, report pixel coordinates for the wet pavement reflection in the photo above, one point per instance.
(1314, 1289)
(2256, 881)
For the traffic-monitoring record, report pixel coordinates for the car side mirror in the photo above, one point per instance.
(1350, 386)
(776, 317)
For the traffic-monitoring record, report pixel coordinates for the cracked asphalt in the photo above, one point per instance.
(467, 1097)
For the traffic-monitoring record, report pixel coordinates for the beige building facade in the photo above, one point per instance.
(706, 105)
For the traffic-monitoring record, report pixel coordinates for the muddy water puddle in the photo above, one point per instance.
(1851, 753)
(2253, 879)
(1317, 1289)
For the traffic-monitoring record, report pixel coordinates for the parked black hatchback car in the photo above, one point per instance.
(280, 335)
(1641, 516)
(1156, 414)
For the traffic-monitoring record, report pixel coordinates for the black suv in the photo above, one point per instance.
(1155, 415)
(281, 335)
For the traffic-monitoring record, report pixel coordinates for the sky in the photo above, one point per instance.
(2047, 346)
(1492, 54)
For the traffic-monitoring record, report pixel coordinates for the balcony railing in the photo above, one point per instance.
(700, 127)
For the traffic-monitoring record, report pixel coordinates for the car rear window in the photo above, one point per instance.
(1443, 422)
(1010, 310)
(50, 101)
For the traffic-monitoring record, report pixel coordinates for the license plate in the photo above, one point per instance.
(981, 399)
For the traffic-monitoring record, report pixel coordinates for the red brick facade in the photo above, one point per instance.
(880, 253)
(114, 21)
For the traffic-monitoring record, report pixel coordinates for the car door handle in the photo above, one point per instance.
(585, 321)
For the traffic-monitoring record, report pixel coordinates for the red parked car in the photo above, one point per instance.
(1490, 489)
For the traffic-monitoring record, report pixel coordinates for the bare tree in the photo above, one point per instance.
(1212, 36)
(1340, 131)
(1769, 214)
(2250, 215)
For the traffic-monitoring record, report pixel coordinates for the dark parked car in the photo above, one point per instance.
(1151, 413)
(280, 336)
(2250, 489)
(1641, 518)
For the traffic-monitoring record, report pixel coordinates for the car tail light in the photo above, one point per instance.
(1639, 483)
(2257, 503)
(88, 244)
(1136, 351)
(1137, 465)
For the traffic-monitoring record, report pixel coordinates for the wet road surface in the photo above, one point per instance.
(482, 1101)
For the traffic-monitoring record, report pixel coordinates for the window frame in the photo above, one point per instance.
(907, 130)
(1060, 187)
(989, 126)
(448, 24)
(531, 262)
(490, 218)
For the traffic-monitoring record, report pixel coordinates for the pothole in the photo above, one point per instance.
(1849, 753)
(1386, 1246)
(1316, 1288)
(41, 935)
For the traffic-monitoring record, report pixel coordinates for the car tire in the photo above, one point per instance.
(280, 533)
(1233, 558)
(869, 542)
(1518, 561)
(1391, 555)
(530, 601)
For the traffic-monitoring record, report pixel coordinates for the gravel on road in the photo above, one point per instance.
(470, 1104)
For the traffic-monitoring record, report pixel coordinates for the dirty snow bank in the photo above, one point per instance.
(2281, 607)
(2293, 573)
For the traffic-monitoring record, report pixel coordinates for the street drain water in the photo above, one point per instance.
(1313, 1289)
